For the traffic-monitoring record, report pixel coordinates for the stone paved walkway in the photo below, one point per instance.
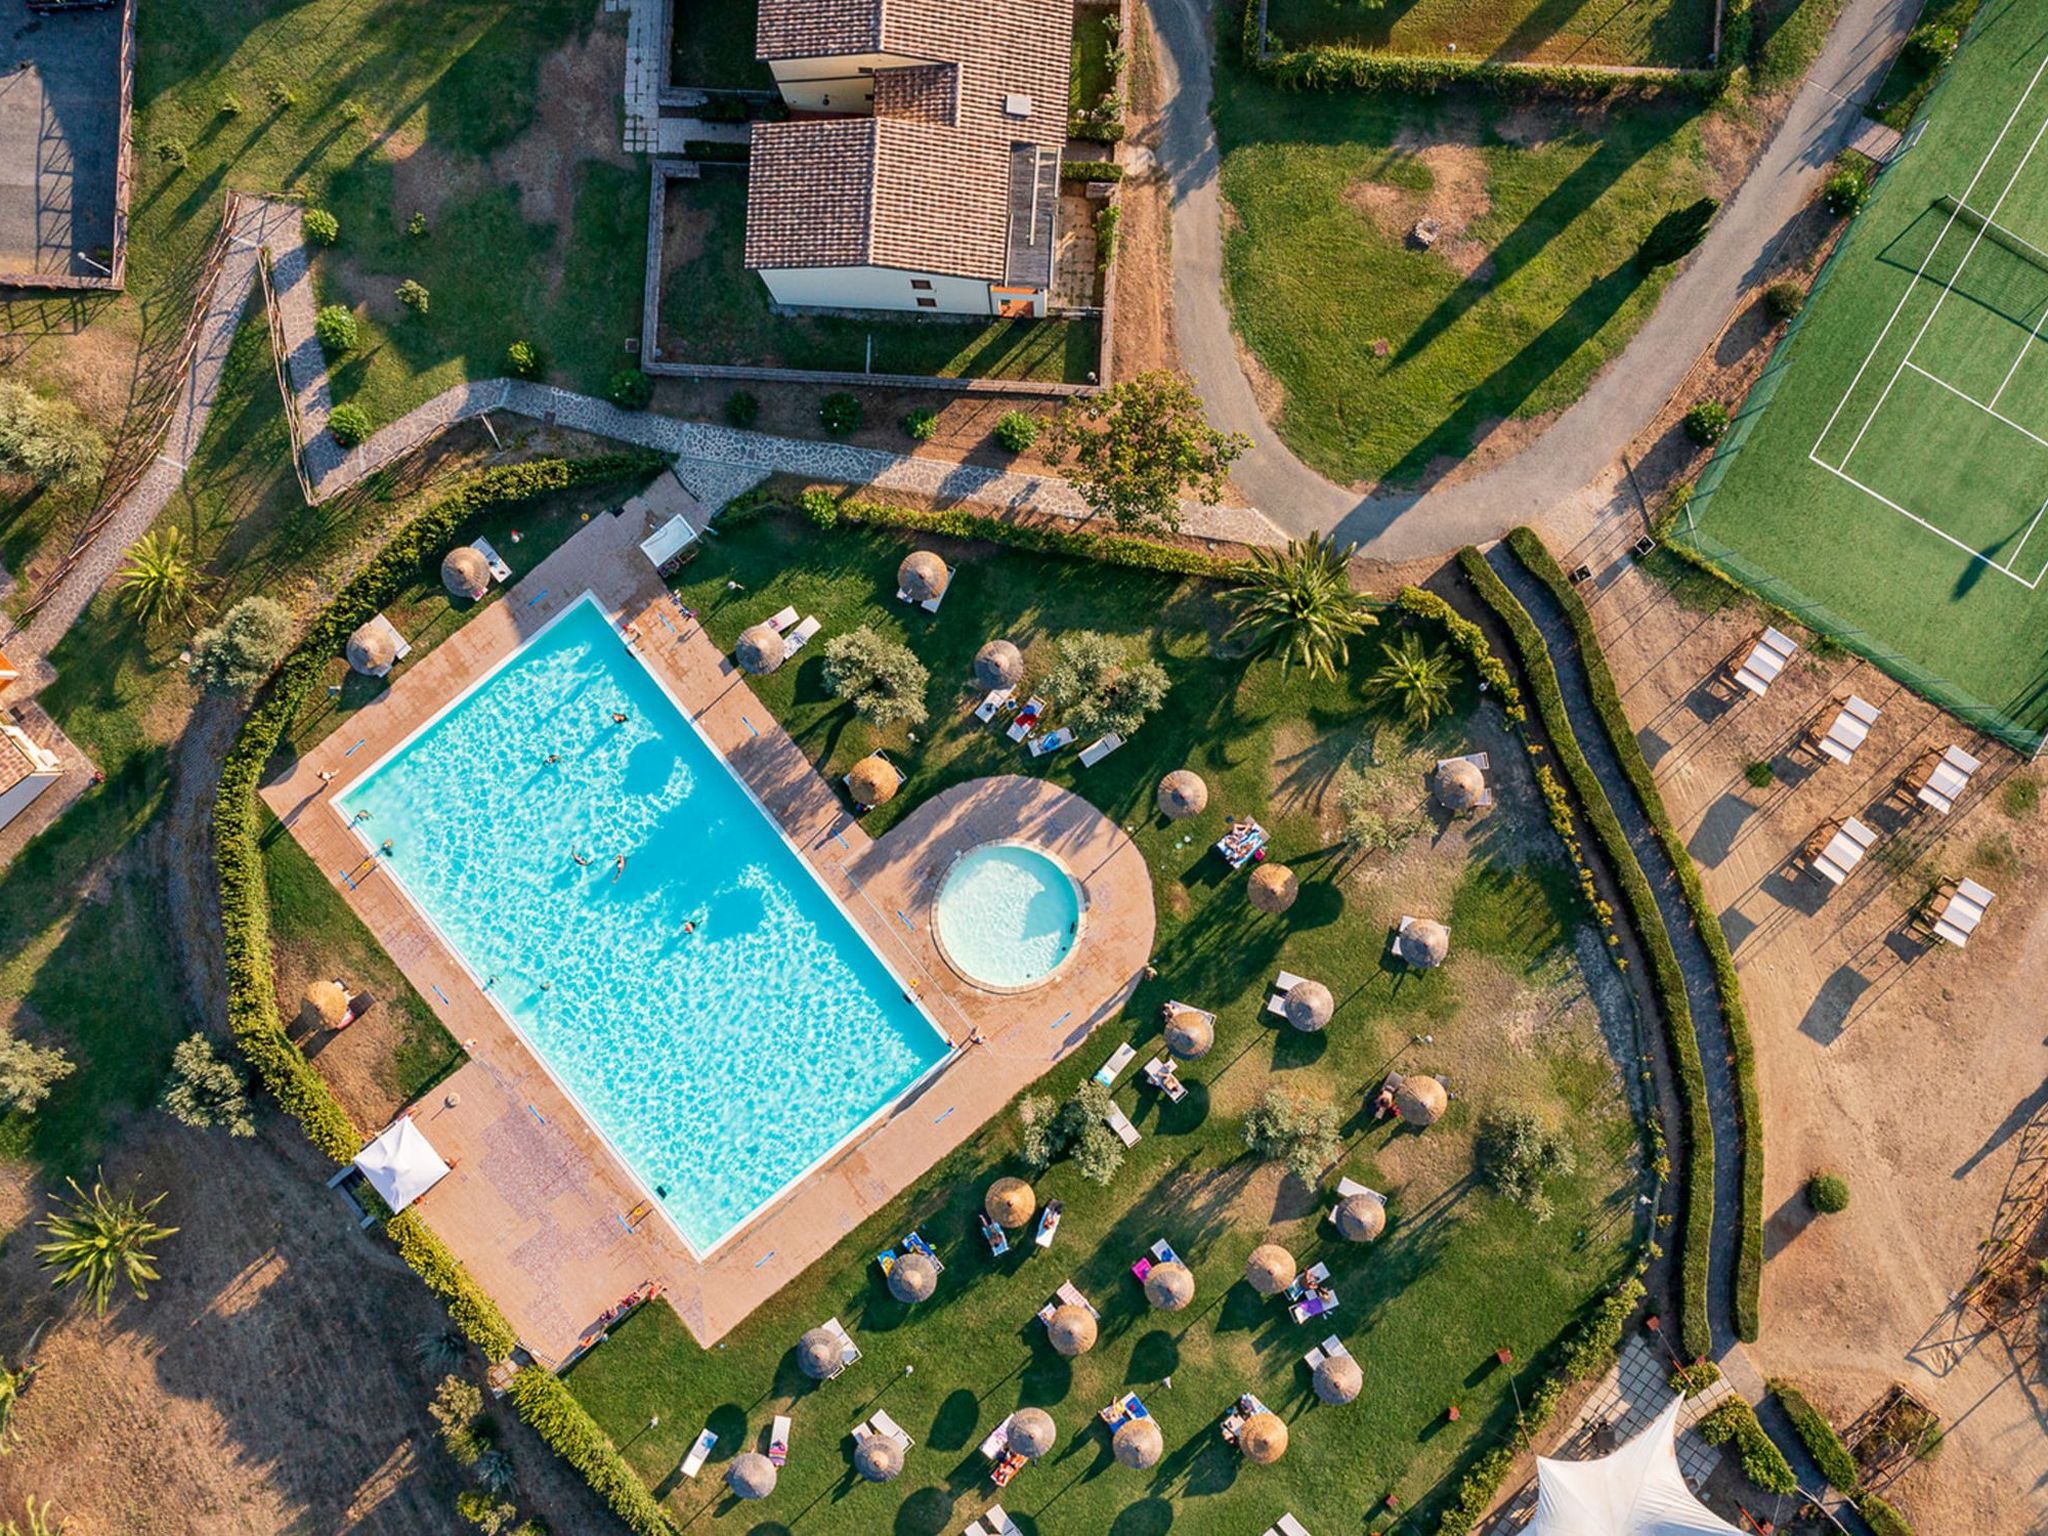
(645, 69)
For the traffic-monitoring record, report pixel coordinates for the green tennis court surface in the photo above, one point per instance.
(1887, 479)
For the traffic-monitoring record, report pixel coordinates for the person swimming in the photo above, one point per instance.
(579, 858)
(618, 869)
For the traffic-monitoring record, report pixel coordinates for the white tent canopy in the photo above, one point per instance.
(402, 1164)
(1636, 1491)
(668, 541)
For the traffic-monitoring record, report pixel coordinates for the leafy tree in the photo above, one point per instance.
(1140, 445)
(486, 1511)
(49, 441)
(1284, 1129)
(102, 1239)
(349, 424)
(335, 326)
(1016, 430)
(239, 652)
(882, 680)
(1517, 1152)
(158, 580)
(203, 1091)
(1075, 1129)
(1298, 603)
(1100, 689)
(1417, 677)
(1783, 299)
(28, 1072)
(457, 1409)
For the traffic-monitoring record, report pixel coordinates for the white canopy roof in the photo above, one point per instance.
(1636, 1491)
(670, 539)
(402, 1164)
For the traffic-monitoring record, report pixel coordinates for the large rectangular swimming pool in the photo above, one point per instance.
(709, 1006)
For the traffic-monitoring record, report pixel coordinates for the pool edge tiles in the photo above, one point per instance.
(656, 1028)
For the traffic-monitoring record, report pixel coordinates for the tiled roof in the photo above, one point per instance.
(15, 763)
(810, 193)
(929, 93)
(804, 29)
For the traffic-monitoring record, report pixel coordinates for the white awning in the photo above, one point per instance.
(402, 1164)
(668, 541)
(1636, 1491)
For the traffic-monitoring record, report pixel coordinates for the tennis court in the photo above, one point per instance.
(1887, 479)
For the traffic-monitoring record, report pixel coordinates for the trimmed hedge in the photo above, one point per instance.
(1337, 67)
(1469, 640)
(555, 1415)
(1695, 1331)
(1734, 1421)
(1091, 170)
(1834, 1460)
(1749, 1257)
(473, 1312)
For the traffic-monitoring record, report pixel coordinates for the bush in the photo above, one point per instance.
(322, 227)
(349, 424)
(1828, 1193)
(456, 1407)
(1931, 46)
(1016, 431)
(1706, 422)
(1819, 1437)
(238, 653)
(1284, 1129)
(1091, 170)
(523, 360)
(922, 424)
(173, 153)
(1109, 223)
(1762, 1462)
(280, 96)
(416, 226)
(485, 1510)
(546, 1405)
(1759, 775)
(1099, 690)
(335, 325)
(469, 1307)
(1517, 1152)
(883, 680)
(1694, 1379)
(742, 409)
(630, 390)
(230, 105)
(49, 441)
(28, 1072)
(820, 506)
(1783, 300)
(1845, 192)
(414, 296)
(1077, 1129)
(841, 413)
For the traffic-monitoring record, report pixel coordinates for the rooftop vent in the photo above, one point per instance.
(1016, 106)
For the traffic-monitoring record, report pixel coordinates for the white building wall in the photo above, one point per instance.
(836, 83)
(875, 288)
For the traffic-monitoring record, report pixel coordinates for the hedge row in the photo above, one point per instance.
(1338, 67)
(555, 1415)
(1695, 1331)
(1734, 1421)
(473, 1312)
(1834, 1460)
(1469, 640)
(1749, 1253)
(1091, 170)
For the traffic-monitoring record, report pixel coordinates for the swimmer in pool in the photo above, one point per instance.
(585, 863)
(618, 869)
(618, 717)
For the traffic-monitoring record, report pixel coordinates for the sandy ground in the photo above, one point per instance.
(1142, 326)
(1915, 1071)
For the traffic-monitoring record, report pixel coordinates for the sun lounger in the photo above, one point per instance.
(914, 1241)
(1070, 1295)
(493, 562)
(778, 1440)
(1962, 912)
(1110, 1070)
(1123, 1410)
(1766, 660)
(849, 1352)
(1289, 1526)
(999, 1522)
(1240, 846)
(1330, 1348)
(998, 1241)
(1048, 1223)
(1346, 1188)
(1163, 1252)
(1100, 748)
(992, 701)
(801, 636)
(1027, 719)
(998, 1440)
(1283, 984)
(1119, 1122)
(1052, 741)
(1844, 851)
(1007, 1466)
(1947, 779)
(1851, 726)
(694, 1462)
(1160, 1075)
(930, 604)
(888, 1426)
(781, 621)
(1312, 1306)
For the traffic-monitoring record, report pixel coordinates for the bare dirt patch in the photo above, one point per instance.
(1456, 198)
(576, 123)
(1270, 393)
(1142, 330)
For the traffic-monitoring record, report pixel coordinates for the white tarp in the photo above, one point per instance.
(1636, 1491)
(668, 541)
(402, 1164)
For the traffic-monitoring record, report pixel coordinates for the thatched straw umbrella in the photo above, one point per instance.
(913, 1277)
(879, 1458)
(1421, 1101)
(751, 1475)
(819, 1354)
(1274, 888)
(1270, 1269)
(922, 576)
(1182, 794)
(371, 650)
(464, 573)
(1189, 1035)
(1339, 1380)
(1169, 1286)
(1424, 943)
(1360, 1218)
(1460, 785)
(1263, 1438)
(1138, 1443)
(873, 780)
(760, 650)
(998, 664)
(1309, 1006)
(1010, 1202)
(324, 1006)
(1032, 1432)
(1072, 1330)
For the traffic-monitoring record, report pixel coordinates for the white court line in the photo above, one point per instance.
(1944, 383)
(2009, 234)
(2023, 541)
(1974, 554)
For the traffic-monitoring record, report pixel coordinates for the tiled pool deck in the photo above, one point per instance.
(537, 1205)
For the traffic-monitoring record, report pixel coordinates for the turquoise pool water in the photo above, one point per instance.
(720, 1063)
(1007, 915)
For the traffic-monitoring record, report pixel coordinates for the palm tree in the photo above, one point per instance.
(1299, 602)
(158, 580)
(101, 1239)
(1418, 676)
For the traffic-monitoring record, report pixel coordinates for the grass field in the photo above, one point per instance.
(1394, 360)
(712, 45)
(1459, 1273)
(1894, 470)
(1672, 33)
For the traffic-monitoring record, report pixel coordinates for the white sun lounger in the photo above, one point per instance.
(1028, 718)
(888, 1426)
(778, 1439)
(781, 621)
(1110, 1070)
(992, 701)
(1962, 912)
(930, 604)
(998, 1440)
(1052, 741)
(1766, 660)
(1289, 1526)
(1119, 1122)
(1160, 1075)
(1332, 1347)
(694, 1462)
(801, 636)
(1844, 851)
(493, 562)
(1070, 1293)
(1346, 1188)
(1951, 776)
(849, 1352)
(1100, 748)
(1283, 984)
(1850, 728)
(1000, 1523)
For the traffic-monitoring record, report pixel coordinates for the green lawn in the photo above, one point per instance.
(1095, 34)
(1673, 33)
(1907, 82)
(1393, 363)
(713, 46)
(1459, 1272)
(717, 311)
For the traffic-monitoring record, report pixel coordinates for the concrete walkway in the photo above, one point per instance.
(1591, 435)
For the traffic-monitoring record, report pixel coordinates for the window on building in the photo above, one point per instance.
(921, 284)
(927, 303)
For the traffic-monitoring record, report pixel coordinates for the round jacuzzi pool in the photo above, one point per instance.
(1007, 916)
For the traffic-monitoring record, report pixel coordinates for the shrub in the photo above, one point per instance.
(238, 653)
(1091, 170)
(1706, 422)
(2019, 798)
(1109, 223)
(1783, 300)
(1819, 1438)
(1099, 689)
(630, 390)
(742, 409)
(414, 296)
(1284, 1129)
(485, 1510)
(416, 226)
(1694, 1379)
(1931, 46)
(322, 227)
(455, 1408)
(841, 413)
(1828, 1193)
(1016, 431)
(1845, 192)
(1077, 1129)
(883, 680)
(1517, 1152)
(335, 325)
(354, 111)
(545, 1404)
(469, 1308)
(493, 1471)
(523, 360)
(922, 424)
(1762, 1462)
(820, 506)
(230, 105)
(173, 153)
(28, 1072)
(1759, 775)
(280, 96)
(349, 424)
(49, 441)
